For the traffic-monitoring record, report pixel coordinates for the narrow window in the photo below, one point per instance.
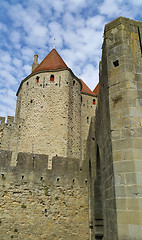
(116, 63)
(139, 33)
(59, 81)
(87, 119)
(73, 83)
(27, 83)
(37, 79)
(52, 78)
(94, 102)
(81, 98)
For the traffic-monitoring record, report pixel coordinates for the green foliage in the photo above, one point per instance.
(15, 230)
(56, 198)
(12, 236)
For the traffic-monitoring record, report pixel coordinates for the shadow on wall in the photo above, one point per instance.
(98, 199)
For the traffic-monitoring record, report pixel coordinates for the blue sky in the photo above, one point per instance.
(30, 26)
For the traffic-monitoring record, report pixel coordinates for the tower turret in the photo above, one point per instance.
(49, 104)
(35, 62)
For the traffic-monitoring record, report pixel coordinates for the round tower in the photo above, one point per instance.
(48, 110)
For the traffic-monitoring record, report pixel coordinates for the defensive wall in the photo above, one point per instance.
(41, 203)
(117, 185)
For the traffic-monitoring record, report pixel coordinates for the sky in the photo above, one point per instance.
(30, 26)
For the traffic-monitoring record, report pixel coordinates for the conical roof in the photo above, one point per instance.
(85, 89)
(52, 61)
(96, 90)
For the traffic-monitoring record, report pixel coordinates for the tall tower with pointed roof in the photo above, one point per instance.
(49, 106)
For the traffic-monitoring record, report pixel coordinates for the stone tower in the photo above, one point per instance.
(49, 106)
(117, 180)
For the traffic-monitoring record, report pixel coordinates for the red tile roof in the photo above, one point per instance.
(96, 90)
(86, 89)
(52, 61)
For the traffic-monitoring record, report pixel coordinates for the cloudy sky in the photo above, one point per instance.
(30, 26)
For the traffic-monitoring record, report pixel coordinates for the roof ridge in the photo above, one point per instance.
(96, 89)
(52, 61)
(85, 89)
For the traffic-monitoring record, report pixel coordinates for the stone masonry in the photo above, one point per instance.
(37, 203)
(117, 197)
(43, 168)
(70, 169)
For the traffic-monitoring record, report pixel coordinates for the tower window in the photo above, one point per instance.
(27, 83)
(52, 77)
(94, 102)
(116, 63)
(73, 83)
(37, 79)
(59, 81)
(87, 119)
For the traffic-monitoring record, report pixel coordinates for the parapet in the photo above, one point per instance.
(10, 119)
(34, 168)
(122, 20)
(2, 120)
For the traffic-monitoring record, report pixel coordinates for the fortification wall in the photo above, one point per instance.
(74, 119)
(37, 203)
(118, 129)
(88, 107)
(8, 133)
(51, 113)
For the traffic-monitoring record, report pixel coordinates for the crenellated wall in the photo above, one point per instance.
(38, 203)
(8, 133)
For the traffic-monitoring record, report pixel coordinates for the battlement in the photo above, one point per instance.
(122, 20)
(34, 168)
(35, 197)
(10, 120)
(2, 120)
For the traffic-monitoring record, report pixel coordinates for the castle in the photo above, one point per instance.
(70, 160)
(53, 112)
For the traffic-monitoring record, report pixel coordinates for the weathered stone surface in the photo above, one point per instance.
(38, 203)
(118, 131)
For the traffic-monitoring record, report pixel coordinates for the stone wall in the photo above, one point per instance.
(87, 112)
(37, 203)
(48, 116)
(118, 130)
(8, 133)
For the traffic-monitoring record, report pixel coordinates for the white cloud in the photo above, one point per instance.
(136, 2)
(90, 75)
(29, 27)
(3, 27)
(15, 37)
(5, 57)
(27, 69)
